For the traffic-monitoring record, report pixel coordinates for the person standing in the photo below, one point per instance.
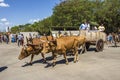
(0, 38)
(110, 38)
(6, 38)
(88, 25)
(19, 39)
(22, 39)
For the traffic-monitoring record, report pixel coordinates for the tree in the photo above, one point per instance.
(15, 29)
(71, 13)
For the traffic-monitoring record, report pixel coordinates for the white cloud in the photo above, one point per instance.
(7, 23)
(33, 20)
(1, 1)
(2, 4)
(1, 24)
(3, 20)
(2, 27)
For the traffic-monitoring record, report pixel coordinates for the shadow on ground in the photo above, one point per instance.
(38, 61)
(51, 58)
(3, 68)
(59, 62)
(92, 49)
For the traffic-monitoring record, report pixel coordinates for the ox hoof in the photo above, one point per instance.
(30, 64)
(75, 61)
(66, 63)
(53, 65)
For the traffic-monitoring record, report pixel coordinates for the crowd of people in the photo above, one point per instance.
(15, 38)
(4, 38)
(113, 38)
(12, 38)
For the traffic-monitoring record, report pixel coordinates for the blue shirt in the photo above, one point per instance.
(83, 26)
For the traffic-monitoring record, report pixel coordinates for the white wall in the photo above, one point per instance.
(26, 34)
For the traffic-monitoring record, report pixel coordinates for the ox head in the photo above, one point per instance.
(29, 49)
(48, 46)
(25, 52)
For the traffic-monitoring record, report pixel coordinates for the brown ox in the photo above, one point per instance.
(34, 48)
(29, 50)
(63, 44)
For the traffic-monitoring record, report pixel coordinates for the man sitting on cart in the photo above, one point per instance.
(101, 28)
(83, 26)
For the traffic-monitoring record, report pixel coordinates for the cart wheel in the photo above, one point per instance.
(99, 45)
(87, 46)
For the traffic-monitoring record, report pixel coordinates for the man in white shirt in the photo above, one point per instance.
(83, 26)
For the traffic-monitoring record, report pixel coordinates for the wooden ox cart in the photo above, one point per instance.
(94, 37)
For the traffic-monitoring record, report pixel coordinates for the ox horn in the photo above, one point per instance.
(25, 47)
(27, 39)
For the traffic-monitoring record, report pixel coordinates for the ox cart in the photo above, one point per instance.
(94, 37)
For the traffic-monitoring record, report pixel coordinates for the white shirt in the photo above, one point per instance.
(19, 37)
(101, 28)
(83, 26)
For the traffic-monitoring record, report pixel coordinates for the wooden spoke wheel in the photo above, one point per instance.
(99, 45)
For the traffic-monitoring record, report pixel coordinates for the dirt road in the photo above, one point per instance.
(91, 66)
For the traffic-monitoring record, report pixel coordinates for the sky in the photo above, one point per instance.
(18, 12)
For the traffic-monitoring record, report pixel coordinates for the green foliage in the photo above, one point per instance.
(74, 12)
(15, 29)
